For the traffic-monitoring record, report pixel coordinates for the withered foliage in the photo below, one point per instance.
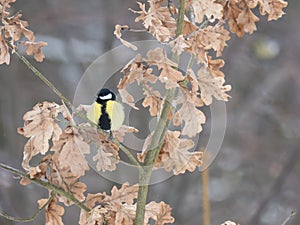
(13, 30)
(120, 207)
(59, 145)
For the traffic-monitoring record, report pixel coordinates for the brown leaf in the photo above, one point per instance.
(4, 51)
(213, 37)
(70, 150)
(193, 119)
(176, 155)
(124, 214)
(179, 44)
(126, 194)
(118, 34)
(247, 20)
(209, 8)
(127, 98)
(232, 11)
(169, 75)
(212, 85)
(105, 161)
(157, 20)
(34, 48)
(153, 100)
(96, 215)
(14, 28)
(40, 127)
(63, 178)
(54, 212)
(160, 212)
(121, 132)
(272, 7)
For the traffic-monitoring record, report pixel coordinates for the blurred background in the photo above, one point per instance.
(255, 177)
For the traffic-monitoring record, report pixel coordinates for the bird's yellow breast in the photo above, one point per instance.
(114, 110)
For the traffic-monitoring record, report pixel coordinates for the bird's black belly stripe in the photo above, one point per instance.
(104, 120)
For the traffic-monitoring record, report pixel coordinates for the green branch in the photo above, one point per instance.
(158, 136)
(46, 185)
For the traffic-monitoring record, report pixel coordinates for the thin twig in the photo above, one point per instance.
(12, 218)
(46, 185)
(133, 30)
(288, 218)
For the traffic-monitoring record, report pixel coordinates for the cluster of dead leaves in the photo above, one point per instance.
(120, 208)
(117, 208)
(12, 29)
(159, 18)
(63, 152)
(174, 154)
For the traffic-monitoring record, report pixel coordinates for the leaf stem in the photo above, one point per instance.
(46, 185)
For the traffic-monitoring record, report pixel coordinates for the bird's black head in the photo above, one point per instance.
(105, 95)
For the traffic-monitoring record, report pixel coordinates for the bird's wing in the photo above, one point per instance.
(116, 114)
(94, 112)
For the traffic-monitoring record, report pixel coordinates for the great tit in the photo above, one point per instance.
(106, 112)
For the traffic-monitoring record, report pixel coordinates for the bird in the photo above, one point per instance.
(106, 112)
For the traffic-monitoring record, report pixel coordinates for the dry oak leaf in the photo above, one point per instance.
(89, 218)
(4, 51)
(169, 75)
(136, 70)
(95, 216)
(35, 172)
(14, 28)
(247, 20)
(212, 85)
(179, 44)
(63, 178)
(54, 212)
(160, 212)
(120, 203)
(207, 8)
(40, 127)
(118, 34)
(272, 7)
(157, 20)
(124, 214)
(70, 150)
(106, 161)
(179, 159)
(126, 194)
(121, 132)
(34, 48)
(193, 119)
(192, 94)
(175, 154)
(232, 11)
(127, 98)
(213, 37)
(153, 100)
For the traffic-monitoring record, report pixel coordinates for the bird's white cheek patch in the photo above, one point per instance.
(106, 97)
